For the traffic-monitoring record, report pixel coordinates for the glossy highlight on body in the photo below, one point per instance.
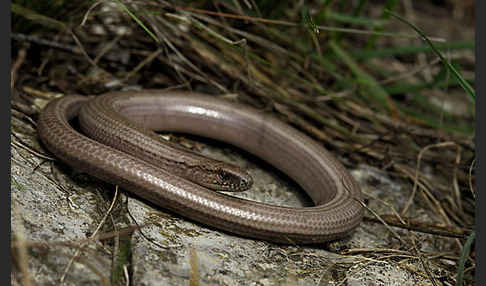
(336, 194)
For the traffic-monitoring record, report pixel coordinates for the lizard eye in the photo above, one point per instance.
(223, 176)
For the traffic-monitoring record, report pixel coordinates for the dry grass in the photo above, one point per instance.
(308, 75)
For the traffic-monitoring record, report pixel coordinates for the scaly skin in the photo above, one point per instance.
(334, 192)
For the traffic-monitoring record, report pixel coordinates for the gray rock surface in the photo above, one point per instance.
(52, 203)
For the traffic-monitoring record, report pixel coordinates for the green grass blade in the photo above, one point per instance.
(354, 20)
(137, 20)
(371, 88)
(364, 54)
(38, 18)
(464, 255)
(465, 85)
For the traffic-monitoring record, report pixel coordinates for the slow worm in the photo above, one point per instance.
(119, 116)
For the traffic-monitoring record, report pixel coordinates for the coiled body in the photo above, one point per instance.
(335, 193)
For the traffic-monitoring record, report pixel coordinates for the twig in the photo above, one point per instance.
(470, 179)
(126, 275)
(83, 51)
(421, 227)
(146, 61)
(102, 222)
(21, 247)
(70, 243)
(85, 17)
(430, 199)
(383, 222)
(18, 62)
(29, 149)
(287, 23)
(410, 73)
(415, 184)
(194, 265)
(48, 43)
(424, 263)
(143, 234)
